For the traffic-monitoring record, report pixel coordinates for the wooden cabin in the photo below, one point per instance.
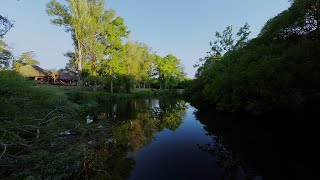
(67, 78)
(40, 75)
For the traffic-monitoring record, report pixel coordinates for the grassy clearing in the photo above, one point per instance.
(88, 96)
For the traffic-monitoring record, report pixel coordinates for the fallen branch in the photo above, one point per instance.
(40, 123)
(4, 151)
(38, 133)
(77, 126)
(52, 112)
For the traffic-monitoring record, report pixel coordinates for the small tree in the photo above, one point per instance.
(27, 58)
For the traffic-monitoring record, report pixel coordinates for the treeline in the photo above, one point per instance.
(278, 70)
(102, 58)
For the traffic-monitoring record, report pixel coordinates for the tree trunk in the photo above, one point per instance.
(144, 85)
(111, 87)
(95, 86)
(79, 65)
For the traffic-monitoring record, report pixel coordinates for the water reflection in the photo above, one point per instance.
(159, 139)
(225, 125)
(275, 146)
(121, 129)
(225, 159)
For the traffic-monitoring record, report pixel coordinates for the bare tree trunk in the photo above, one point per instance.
(111, 87)
(79, 65)
(95, 86)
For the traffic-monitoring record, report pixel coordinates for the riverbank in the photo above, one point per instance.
(46, 131)
(87, 95)
(34, 122)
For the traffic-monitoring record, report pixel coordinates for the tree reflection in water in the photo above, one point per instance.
(225, 159)
(121, 129)
(228, 162)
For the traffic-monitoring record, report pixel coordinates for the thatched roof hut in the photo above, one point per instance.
(31, 71)
(35, 73)
(68, 76)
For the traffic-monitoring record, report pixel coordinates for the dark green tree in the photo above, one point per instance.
(277, 70)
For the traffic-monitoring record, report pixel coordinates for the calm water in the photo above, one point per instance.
(177, 154)
(159, 139)
(170, 139)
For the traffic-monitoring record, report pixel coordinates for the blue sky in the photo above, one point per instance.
(181, 27)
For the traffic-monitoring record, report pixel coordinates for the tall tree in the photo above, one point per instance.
(113, 62)
(96, 34)
(138, 61)
(224, 42)
(71, 64)
(302, 17)
(5, 25)
(146, 65)
(76, 18)
(168, 70)
(5, 54)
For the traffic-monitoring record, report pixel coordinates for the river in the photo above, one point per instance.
(170, 139)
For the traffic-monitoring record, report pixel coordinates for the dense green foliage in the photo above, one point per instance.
(277, 70)
(5, 55)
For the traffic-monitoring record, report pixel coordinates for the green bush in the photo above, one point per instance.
(19, 97)
(30, 119)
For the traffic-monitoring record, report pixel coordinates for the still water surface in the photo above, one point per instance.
(170, 139)
(161, 139)
(176, 154)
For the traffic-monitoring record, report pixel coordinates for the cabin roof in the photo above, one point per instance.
(68, 76)
(33, 71)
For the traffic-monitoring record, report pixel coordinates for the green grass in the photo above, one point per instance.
(31, 118)
(87, 95)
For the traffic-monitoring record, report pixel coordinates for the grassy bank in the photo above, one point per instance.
(43, 129)
(32, 123)
(86, 95)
